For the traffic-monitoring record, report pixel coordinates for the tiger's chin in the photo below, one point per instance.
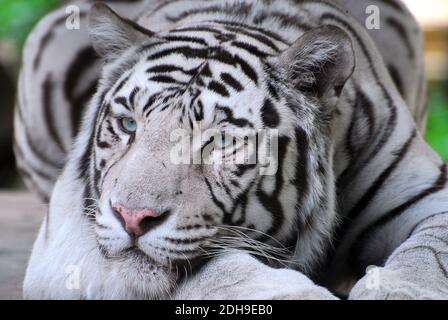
(142, 277)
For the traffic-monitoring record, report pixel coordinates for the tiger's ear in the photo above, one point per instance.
(320, 62)
(111, 34)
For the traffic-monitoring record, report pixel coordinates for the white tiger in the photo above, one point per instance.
(356, 184)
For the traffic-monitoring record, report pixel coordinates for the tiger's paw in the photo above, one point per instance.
(384, 284)
(239, 276)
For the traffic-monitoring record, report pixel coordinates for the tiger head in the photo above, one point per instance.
(156, 216)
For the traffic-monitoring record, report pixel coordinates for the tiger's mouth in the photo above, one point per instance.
(135, 253)
(162, 240)
(179, 266)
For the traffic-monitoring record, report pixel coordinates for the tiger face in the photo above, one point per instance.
(157, 217)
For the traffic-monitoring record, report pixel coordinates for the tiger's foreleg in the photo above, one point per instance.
(417, 269)
(239, 276)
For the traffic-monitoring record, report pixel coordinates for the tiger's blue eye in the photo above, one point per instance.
(224, 141)
(129, 125)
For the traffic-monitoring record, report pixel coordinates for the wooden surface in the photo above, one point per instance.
(20, 217)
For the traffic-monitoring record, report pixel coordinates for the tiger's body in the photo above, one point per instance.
(356, 183)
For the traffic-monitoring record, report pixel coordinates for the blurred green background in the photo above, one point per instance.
(437, 132)
(17, 18)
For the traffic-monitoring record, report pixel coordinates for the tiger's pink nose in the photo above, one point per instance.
(138, 221)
